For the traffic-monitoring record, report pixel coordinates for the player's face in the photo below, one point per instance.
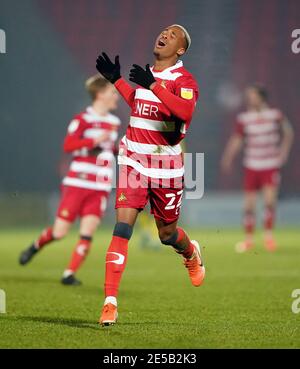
(253, 99)
(109, 97)
(171, 41)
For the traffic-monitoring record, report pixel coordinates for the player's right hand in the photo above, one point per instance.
(111, 71)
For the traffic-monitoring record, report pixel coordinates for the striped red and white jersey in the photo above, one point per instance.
(91, 167)
(152, 141)
(262, 134)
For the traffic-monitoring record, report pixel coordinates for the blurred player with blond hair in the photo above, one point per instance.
(90, 138)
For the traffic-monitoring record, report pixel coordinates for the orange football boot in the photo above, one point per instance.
(270, 244)
(195, 266)
(109, 315)
(244, 246)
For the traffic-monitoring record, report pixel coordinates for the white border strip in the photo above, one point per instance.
(151, 125)
(150, 149)
(151, 172)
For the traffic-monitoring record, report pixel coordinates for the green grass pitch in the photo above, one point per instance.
(245, 301)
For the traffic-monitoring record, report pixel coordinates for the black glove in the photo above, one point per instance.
(141, 77)
(107, 68)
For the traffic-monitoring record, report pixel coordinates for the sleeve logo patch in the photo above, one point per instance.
(186, 93)
(73, 126)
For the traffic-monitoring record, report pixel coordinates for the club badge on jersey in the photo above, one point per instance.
(186, 93)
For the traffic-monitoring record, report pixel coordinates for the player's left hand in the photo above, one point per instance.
(141, 77)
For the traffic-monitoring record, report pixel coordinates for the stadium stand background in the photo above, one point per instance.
(51, 49)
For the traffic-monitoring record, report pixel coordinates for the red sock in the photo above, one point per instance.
(45, 238)
(116, 258)
(79, 254)
(249, 222)
(269, 218)
(188, 251)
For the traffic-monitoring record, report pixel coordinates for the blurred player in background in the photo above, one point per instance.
(267, 138)
(162, 107)
(90, 138)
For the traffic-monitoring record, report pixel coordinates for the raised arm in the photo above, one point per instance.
(178, 106)
(125, 90)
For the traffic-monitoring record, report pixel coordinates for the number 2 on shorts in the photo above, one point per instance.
(173, 204)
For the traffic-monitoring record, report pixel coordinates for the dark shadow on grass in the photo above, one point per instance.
(74, 323)
(44, 280)
(155, 323)
(81, 323)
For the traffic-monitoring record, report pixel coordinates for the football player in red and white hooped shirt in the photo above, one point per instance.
(267, 138)
(151, 164)
(90, 138)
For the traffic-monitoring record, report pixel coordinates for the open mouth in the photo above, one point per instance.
(161, 43)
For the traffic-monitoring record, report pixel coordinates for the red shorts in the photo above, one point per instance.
(257, 179)
(135, 190)
(77, 201)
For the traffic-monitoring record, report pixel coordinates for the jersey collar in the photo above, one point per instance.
(178, 64)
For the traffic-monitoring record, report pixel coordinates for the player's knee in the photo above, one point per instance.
(269, 205)
(249, 208)
(167, 237)
(58, 234)
(123, 230)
